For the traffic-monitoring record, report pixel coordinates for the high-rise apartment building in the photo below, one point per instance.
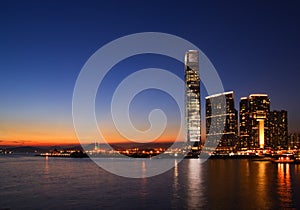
(221, 121)
(192, 97)
(245, 125)
(254, 121)
(278, 126)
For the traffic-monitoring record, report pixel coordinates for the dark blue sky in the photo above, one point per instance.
(254, 46)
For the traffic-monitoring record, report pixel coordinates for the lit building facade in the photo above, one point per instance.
(254, 121)
(294, 141)
(221, 121)
(278, 126)
(192, 97)
(245, 125)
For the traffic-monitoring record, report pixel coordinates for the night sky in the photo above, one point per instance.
(254, 46)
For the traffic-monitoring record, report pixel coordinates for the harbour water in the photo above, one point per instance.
(28, 182)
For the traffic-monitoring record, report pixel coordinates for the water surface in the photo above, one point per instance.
(28, 182)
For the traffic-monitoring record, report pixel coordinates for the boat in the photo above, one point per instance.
(283, 158)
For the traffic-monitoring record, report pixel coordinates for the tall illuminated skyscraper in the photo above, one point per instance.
(192, 97)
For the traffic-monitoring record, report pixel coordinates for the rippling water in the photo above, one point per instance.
(39, 183)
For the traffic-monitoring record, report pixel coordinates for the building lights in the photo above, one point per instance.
(192, 97)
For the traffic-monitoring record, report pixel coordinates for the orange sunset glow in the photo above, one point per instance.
(30, 134)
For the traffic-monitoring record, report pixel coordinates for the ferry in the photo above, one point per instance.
(283, 158)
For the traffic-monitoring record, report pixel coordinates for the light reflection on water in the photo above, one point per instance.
(175, 181)
(175, 186)
(284, 185)
(143, 190)
(39, 183)
(262, 192)
(195, 187)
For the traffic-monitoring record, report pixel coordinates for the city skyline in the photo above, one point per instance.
(254, 48)
(254, 127)
(149, 104)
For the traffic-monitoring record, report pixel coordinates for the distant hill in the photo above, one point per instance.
(39, 149)
(27, 149)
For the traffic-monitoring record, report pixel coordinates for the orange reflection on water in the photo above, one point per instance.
(284, 185)
(261, 191)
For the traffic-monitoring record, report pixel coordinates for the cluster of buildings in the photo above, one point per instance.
(255, 126)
